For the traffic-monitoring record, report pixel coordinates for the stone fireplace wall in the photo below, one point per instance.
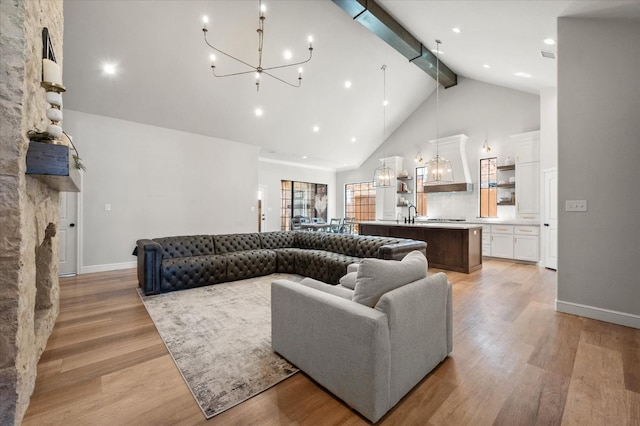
(28, 208)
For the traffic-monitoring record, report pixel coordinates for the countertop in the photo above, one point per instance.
(459, 225)
(440, 225)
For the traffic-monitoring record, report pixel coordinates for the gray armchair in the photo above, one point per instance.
(368, 357)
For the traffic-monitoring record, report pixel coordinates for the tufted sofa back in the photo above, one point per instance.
(278, 239)
(340, 243)
(368, 246)
(185, 246)
(310, 240)
(229, 243)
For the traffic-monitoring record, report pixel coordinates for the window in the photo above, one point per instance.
(360, 201)
(488, 187)
(421, 196)
(302, 199)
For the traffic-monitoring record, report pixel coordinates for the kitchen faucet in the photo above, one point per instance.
(410, 219)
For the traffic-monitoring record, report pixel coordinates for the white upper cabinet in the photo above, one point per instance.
(527, 176)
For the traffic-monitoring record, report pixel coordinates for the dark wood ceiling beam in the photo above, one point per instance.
(378, 21)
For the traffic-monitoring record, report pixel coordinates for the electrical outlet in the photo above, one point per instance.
(575, 205)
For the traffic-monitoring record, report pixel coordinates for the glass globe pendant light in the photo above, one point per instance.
(383, 175)
(438, 168)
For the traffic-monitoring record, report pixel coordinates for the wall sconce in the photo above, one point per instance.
(485, 147)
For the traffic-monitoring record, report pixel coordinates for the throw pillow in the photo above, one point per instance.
(349, 280)
(376, 276)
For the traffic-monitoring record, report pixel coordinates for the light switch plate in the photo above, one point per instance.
(575, 205)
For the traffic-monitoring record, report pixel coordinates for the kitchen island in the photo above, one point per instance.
(451, 246)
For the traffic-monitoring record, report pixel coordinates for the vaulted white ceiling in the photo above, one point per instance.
(163, 75)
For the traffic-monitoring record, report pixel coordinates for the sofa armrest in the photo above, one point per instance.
(419, 318)
(338, 290)
(399, 250)
(341, 344)
(149, 266)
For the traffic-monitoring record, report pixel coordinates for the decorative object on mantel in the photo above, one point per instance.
(438, 168)
(259, 69)
(50, 163)
(52, 83)
(383, 175)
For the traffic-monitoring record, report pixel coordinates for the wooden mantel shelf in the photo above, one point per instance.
(53, 165)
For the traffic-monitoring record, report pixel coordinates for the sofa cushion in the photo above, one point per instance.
(276, 240)
(337, 265)
(196, 271)
(313, 264)
(286, 260)
(250, 263)
(230, 243)
(349, 280)
(185, 246)
(376, 276)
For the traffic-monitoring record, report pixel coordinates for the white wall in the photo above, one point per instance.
(270, 175)
(479, 110)
(159, 182)
(598, 158)
(548, 128)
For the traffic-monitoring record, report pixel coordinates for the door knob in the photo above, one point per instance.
(71, 225)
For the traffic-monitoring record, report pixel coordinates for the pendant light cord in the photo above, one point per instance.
(438, 109)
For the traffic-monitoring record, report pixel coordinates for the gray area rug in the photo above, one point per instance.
(220, 338)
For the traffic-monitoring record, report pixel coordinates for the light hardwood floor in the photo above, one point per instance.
(515, 361)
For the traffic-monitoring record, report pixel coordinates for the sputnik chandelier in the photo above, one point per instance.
(259, 70)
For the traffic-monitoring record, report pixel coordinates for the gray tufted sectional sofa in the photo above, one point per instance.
(176, 263)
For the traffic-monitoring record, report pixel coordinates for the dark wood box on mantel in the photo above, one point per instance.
(54, 165)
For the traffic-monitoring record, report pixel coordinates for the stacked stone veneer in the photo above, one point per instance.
(28, 208)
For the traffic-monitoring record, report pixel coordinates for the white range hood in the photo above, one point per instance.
(453, 148)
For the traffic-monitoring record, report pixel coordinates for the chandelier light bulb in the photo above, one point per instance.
(287, 54)
(205, 21)
(300, 70)
(257, 76)
(347, 84)
(310, 39)
(212, 58)
(385, 103)
(259, 112)
(263, 9)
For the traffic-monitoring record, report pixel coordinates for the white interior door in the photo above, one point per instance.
(262, 211)
(550, 228)
(68, 233)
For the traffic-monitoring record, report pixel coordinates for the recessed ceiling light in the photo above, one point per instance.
(456, 30)
(304, 157)
(287, 54)
(316, 129)
(549, 41)
(109, 69)
(347, 84)
(353, 140)
(486, 66)
(522, 74)
(259, 112)
(385, 103)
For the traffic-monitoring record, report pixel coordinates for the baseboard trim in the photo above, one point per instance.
(615, 317)
(108, 267)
